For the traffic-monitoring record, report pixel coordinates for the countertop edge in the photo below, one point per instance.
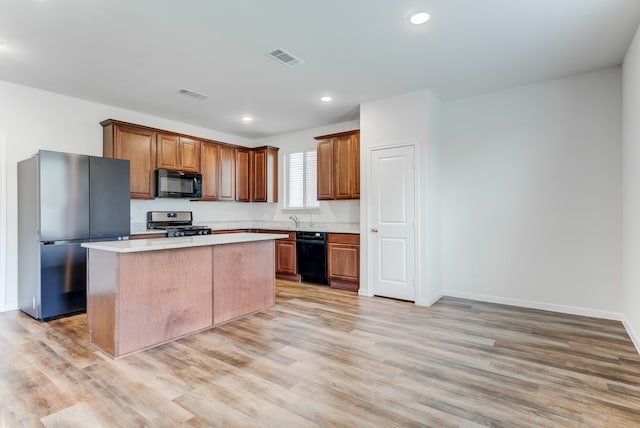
(157, 244)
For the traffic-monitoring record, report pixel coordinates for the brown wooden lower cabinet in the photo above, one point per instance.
(343, 256)
(286, 265)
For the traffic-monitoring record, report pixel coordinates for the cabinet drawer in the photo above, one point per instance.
(292, 235)
(220, 232)
(344, 238)
(149, 236)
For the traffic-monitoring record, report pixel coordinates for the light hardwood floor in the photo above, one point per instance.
(324, 357)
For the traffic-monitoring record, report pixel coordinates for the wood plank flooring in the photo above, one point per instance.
(324, 357)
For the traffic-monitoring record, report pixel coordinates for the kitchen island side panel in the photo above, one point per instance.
(102, 289)
(243, 279)
(163, 295)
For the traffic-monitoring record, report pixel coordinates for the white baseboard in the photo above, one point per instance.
(565, 309)
(365, 292)
(429, 300)
(635, 338)
(9, 308)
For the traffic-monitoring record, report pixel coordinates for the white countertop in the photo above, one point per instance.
(141, 228)
(137, 245)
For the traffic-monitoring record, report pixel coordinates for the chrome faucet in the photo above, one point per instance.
(295, 220)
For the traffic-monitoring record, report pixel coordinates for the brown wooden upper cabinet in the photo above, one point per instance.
(229, 172)
(338, 165)
(227, 165)
(178, 153)
(137, 144)
(242, 175)
(210, 168)
(264, 174)
(257, 174)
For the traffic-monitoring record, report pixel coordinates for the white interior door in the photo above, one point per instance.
(392, 233)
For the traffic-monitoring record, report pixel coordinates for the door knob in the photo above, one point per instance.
(374, 229)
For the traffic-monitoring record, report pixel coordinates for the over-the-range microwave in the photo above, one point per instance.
(178, 184)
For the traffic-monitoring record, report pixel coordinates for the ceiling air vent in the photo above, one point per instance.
(285, 57)
(193, 94)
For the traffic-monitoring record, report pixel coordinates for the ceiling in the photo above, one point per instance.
(138, 54)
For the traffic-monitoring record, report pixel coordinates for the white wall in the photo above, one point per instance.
(347, 211)
(408, 118)
(3, 220)
(631, 188)
(33, 119)
(531, 207)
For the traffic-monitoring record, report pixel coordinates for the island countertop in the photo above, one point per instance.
(138, 245)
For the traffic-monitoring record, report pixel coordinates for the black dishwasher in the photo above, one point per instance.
(312, 257)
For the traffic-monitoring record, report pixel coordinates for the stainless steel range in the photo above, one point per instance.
(176, 223)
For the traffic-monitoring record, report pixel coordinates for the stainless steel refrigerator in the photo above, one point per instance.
(65, 199)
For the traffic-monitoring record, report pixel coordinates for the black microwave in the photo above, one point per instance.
(178, 184)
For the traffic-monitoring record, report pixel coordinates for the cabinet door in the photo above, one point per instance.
(344, 261)
(286, 257)
(209, 166)
(355, 164)
(343, 167)
(137, 145)
(168, 152)
(227, 188)
(325, 169)
(189, 155)
(242, 175)
(259, 176)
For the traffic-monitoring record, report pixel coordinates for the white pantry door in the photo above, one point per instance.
(392, 233)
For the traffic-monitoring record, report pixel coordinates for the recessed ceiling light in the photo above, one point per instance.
(326, 99)
(247, 119)
(419, 17)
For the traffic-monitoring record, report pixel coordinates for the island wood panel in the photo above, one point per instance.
(168, 295)
(101, 299)
(243, 279)
(138, 300)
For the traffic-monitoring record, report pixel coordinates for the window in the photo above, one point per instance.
(301, 180)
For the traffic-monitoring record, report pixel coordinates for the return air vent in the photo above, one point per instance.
(193, 94)
(285, 57)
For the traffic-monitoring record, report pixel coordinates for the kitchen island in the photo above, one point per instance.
(147, 292)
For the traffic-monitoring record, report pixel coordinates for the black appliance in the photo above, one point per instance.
(65, 199)
(178, 184)
(312, 257)
(175, 223)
